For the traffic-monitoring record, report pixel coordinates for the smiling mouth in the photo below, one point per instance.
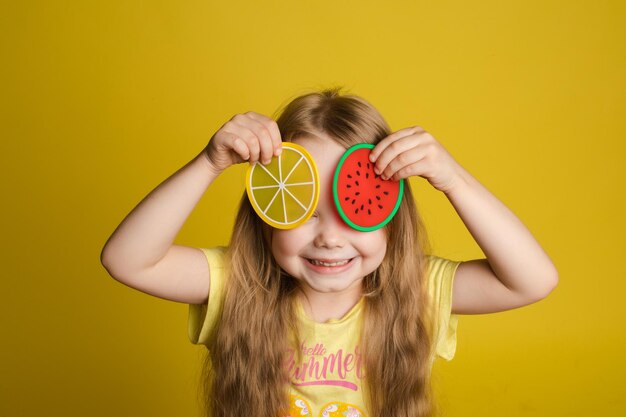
(329, 263)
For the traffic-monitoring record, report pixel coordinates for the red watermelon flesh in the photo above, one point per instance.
(364, 200)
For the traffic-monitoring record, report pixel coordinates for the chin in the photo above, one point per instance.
(329, 289)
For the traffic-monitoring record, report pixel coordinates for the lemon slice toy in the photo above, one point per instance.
(284, 193)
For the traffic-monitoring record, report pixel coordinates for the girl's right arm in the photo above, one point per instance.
(140, 253)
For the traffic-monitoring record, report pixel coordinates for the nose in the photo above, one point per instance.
(330, 233)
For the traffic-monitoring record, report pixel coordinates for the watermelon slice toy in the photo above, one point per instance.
(364, 200)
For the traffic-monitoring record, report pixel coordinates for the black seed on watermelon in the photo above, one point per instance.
(355, 163)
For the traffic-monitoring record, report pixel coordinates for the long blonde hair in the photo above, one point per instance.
(258, 310)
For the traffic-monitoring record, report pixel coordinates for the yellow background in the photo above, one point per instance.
(101, 101)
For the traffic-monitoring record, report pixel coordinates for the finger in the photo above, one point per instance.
(239, 146)
(272, 126)
(393, 150)
(248, 136)
(263, 136)
(416, 168)
(383, 144)
(256, 137)
(235, 143)
(400, 164)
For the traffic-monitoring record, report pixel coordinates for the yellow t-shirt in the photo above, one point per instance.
(327, 383)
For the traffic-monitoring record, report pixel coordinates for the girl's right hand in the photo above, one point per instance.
(245, 137)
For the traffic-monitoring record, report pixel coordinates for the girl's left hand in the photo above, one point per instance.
(413, 151)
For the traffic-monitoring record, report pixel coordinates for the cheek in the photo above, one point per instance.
(374, 246)
(286, 243)
(286, 248)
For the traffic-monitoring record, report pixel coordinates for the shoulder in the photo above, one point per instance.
(203, 317)
(438, 268)
(440, 274)
(440, 277)
(216, 256)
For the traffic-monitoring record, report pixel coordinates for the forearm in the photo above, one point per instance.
(514, 255)
(148, 231)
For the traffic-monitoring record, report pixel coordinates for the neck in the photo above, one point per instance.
(321, 307)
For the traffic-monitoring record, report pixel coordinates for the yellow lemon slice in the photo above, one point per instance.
(284, 193)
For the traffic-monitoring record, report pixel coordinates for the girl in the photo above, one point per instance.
(323, 319)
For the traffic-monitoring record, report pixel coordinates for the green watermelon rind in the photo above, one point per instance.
(336, 194)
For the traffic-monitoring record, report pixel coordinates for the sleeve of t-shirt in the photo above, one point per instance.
(203, 317)
(440, 280)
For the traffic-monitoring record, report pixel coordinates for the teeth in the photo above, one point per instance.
(320, 263)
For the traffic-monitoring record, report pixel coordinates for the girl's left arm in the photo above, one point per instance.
(517, 270)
